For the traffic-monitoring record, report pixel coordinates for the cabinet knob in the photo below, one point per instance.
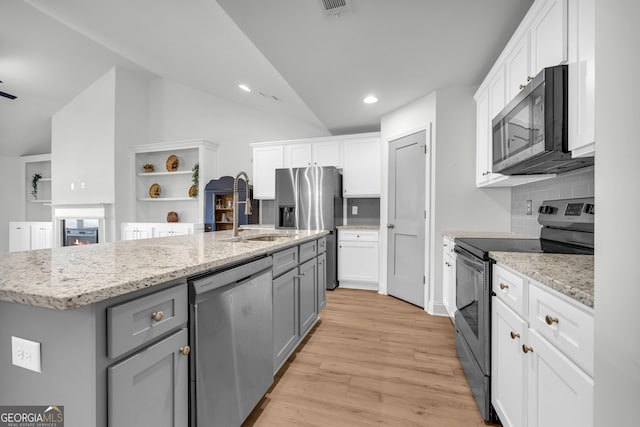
(527, 349)
(550, 320)
(157, 316)
(390, 226)
(185, 350)
(522, 86)
(503, 286)
(447, 263)
(486, 173)
(514, 335)
(529, 78)
(300, 276)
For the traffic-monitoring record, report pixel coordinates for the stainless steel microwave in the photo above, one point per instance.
(530, 133)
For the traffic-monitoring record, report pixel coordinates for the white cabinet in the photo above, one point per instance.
(581, 77)
(175, 229)
(355, 246)
(303, 154)
(517, 67)
(361, 168)
(136, 231)
(559, 393)
(141, 230)
(548, 36)
(174, 183)
(449, 276)
(41, 235)
(19, 236)
(508, 370)
(542, 354)
(266, 159)
(540, 41)
(28, 235)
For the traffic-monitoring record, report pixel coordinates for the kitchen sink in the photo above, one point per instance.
(262, 238)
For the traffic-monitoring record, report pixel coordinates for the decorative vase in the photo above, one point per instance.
(172, 217)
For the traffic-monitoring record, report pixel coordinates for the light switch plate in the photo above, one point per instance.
(26, 354)
(354, 210)
(529, 208)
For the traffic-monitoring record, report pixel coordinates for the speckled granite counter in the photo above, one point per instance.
(571, 275)
(358, 227)
(71, 277)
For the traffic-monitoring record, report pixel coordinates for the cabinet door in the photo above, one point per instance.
(308, 295)
(361, 170)
(327, 154)
(322, 281)
(350, 265)
(150, 388)
(581, 77)
(497, 93)
(517, 67)
(559, 393)
(508, 373)
(19, 236)
(483, 138)
(285, 317)
(448, 282)
(41, 235)
(297, 155)
(265, 162)
(549, 36)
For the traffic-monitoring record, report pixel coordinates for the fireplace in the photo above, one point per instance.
(82, 224)
(80, 232)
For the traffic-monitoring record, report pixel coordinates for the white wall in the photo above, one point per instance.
(454, 202)
(10, 174)
(617, 175)
(131, 127)
(179, 112)
(82, 136)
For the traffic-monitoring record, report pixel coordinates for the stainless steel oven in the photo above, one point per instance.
(568, 226)
(473, 327)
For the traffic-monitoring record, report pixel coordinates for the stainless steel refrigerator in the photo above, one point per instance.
(311, 199)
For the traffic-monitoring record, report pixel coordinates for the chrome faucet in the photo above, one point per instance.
(236, 202)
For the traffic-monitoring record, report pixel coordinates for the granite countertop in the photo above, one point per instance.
(486, 234)
(571, 275)
(358, 227)
(71, 277)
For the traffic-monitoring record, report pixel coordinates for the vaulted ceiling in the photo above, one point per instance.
(320, 68)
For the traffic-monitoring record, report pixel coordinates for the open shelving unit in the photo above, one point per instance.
(37, 208)
(174, 184)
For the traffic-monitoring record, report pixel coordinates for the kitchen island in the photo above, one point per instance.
(97, 312)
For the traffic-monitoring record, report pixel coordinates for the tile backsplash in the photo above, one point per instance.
(578, 183)
(368, 211)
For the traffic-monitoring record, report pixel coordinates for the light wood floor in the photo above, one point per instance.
(371, 360)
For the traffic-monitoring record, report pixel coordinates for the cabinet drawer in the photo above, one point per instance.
(322, 245)
(358, 236)
(564, 325)
(285, 260)
(308, 250)
(510, 288)
(133, 323)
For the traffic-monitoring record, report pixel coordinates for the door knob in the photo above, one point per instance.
(185, 350)
(390, 225)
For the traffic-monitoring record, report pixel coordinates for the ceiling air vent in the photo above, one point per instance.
(334, 7)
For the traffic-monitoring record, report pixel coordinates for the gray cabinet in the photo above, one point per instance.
(150, 388)
(285, 317)
(307, 284)
(322, 282)
(299, 286)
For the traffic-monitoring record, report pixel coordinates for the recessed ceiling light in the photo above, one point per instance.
(370, 99)
(244, 87)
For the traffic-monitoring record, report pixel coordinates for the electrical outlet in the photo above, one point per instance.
(26, 354)
(354, 210)
(529, 208)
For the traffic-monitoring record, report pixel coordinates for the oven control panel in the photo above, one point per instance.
(568, 213)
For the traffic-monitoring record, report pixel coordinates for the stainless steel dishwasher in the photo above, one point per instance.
(231, 333)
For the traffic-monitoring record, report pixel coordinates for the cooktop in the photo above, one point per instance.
(481, 247)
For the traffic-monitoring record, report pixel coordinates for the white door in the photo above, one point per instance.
(407, 218)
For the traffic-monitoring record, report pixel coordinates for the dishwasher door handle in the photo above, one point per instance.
(227, 277)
